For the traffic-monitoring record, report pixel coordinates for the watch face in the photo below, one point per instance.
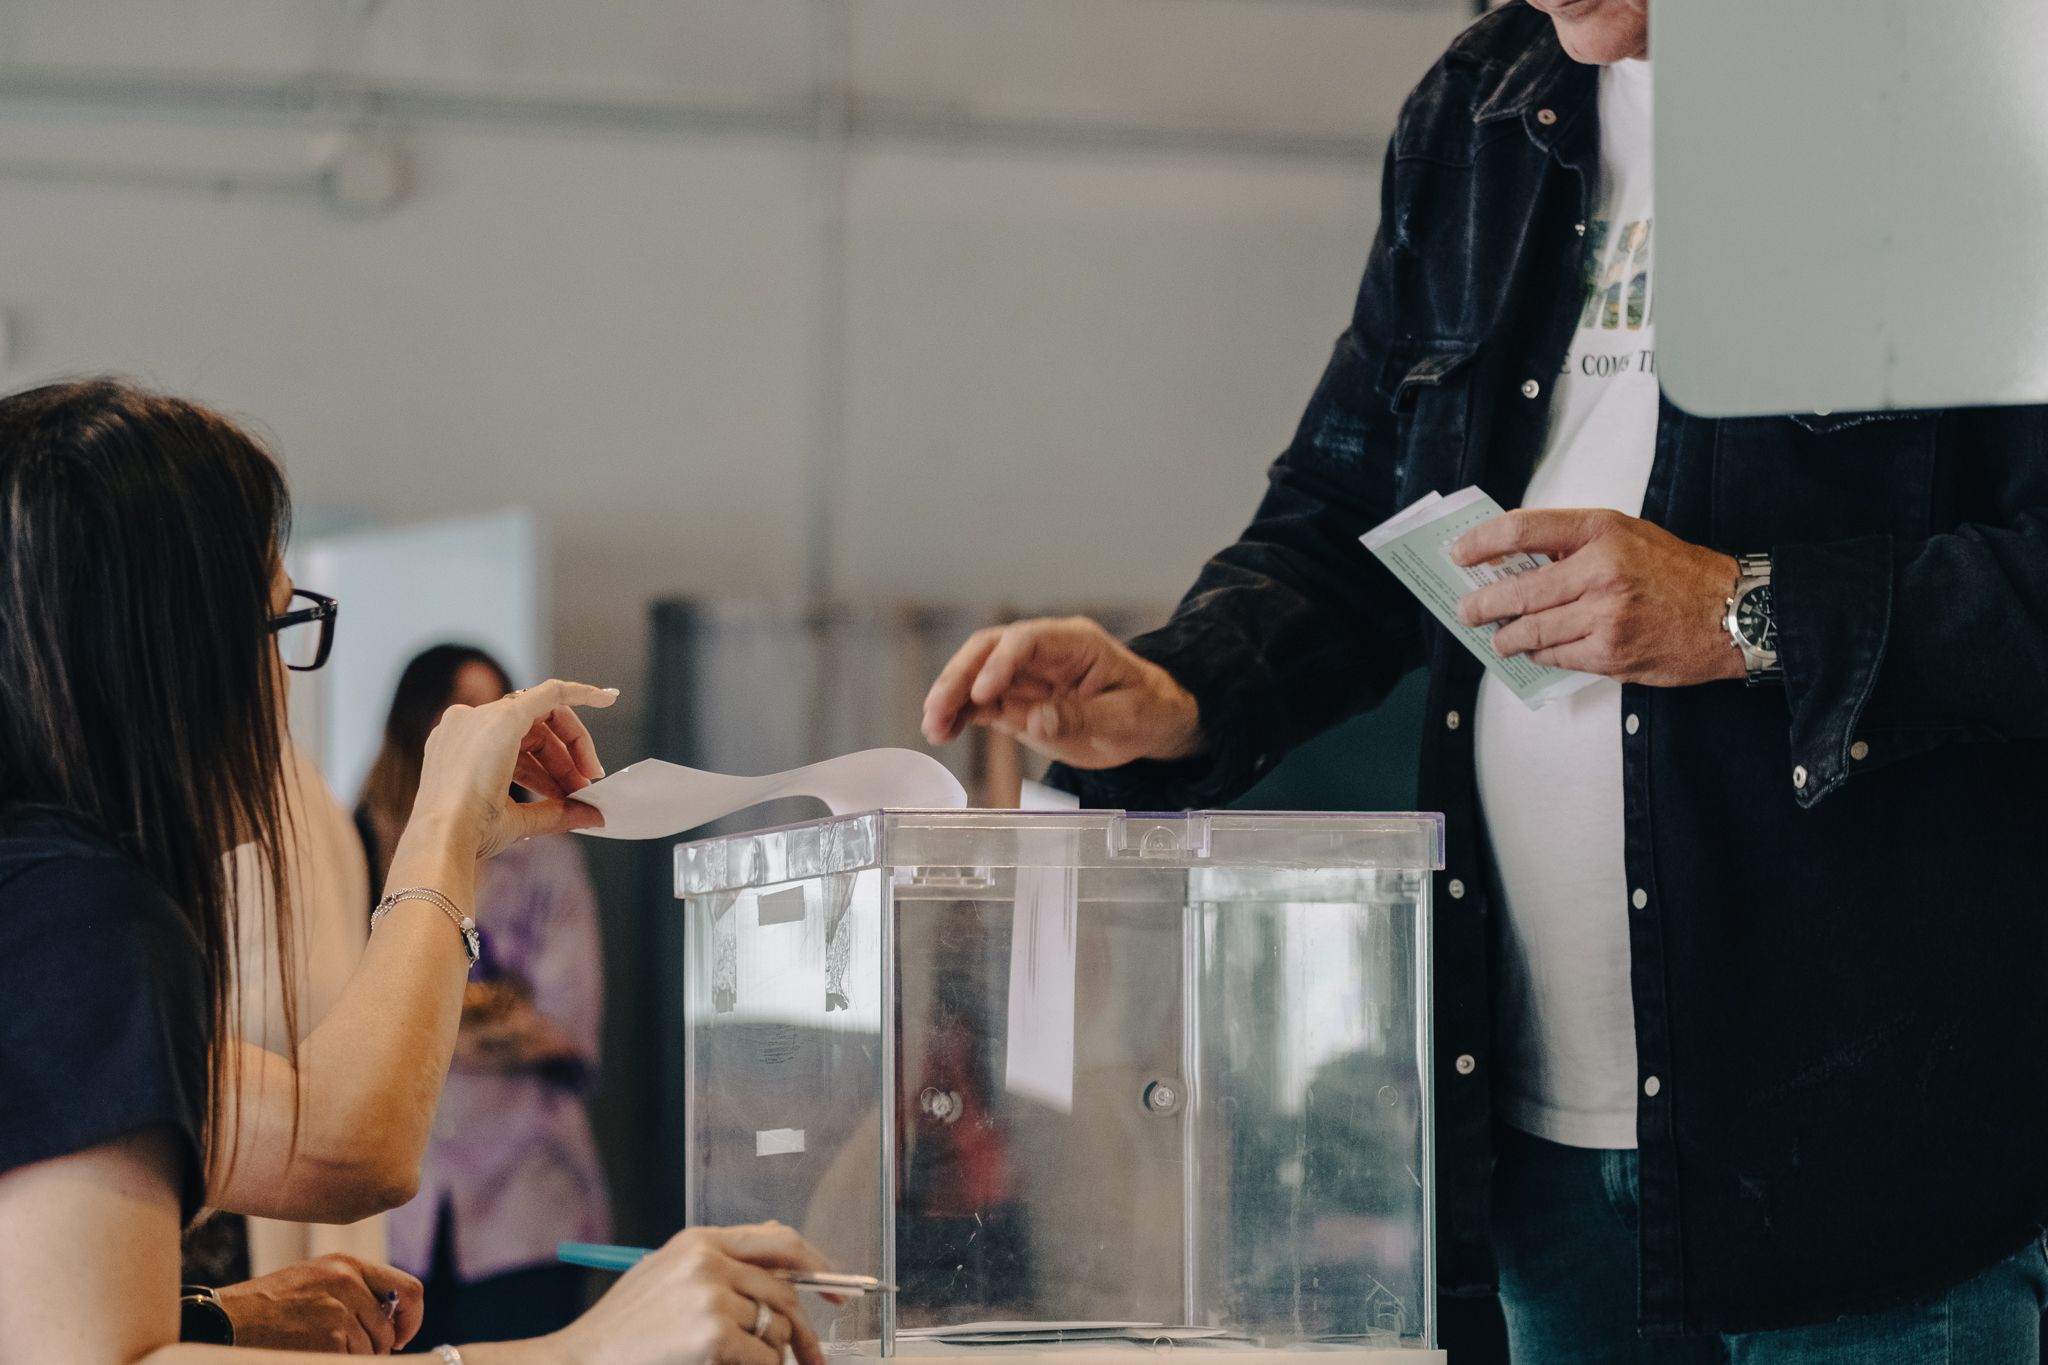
(202, 1319)
(1754, 619)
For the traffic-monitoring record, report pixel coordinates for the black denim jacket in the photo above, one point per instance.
(1838, 924)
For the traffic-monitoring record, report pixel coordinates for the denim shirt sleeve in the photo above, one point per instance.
(1893, 646)
(1296, 625)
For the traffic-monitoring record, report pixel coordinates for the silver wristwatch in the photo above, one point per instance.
(1752, 620)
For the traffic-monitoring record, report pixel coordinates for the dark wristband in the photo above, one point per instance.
(201, 1318)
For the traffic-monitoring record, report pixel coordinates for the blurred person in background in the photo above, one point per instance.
(512, 1167)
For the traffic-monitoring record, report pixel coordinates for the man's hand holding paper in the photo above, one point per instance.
(1622, 598)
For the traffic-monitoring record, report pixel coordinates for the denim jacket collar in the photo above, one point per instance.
(1543, 76)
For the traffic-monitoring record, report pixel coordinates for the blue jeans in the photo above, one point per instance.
(1564, 1234)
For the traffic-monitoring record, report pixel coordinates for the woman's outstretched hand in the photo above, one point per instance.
(533, 737)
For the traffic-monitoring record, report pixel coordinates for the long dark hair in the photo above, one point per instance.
(425, 689)
(139, 534)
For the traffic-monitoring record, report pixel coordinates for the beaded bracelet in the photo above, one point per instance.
(471, 939)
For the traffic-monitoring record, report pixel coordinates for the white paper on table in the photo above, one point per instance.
(654, 799)
(1033, 1331)
(1054, 1333)
(1044, 929)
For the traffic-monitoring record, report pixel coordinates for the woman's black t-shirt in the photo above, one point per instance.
(105, 1022)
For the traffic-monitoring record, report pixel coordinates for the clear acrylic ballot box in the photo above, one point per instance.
(1079, 1082)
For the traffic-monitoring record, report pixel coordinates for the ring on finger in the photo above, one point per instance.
(764, 1318)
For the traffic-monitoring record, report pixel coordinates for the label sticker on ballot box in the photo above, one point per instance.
(778, 1141)
(781, 907)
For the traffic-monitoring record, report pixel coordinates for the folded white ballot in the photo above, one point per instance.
(654, 799)
(1416, 544)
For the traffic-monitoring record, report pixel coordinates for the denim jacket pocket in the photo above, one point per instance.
(1822, 423)
(1428, 387)
(1837, 478)
(1415, 365)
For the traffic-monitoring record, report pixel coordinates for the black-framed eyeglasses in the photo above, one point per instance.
(305, 635)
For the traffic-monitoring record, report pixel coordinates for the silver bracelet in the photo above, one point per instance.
(448, 1355)
(471, 939)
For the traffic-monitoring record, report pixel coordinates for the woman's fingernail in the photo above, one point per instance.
(1049, 721)
(609, 691)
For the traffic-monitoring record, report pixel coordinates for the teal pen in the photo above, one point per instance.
(599, 1256)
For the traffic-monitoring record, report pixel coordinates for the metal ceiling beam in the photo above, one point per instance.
(329, 102)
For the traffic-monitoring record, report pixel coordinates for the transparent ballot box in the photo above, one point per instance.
(1082, 1080)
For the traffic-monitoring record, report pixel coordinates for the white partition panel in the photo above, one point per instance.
(469, 580)
(1852, 204)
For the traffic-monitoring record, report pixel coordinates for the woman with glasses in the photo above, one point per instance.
(141, 710)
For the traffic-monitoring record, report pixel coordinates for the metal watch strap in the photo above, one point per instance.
(1760, 665)
(471, 939)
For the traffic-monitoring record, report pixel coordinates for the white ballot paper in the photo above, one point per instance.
(654, 799)
(1416, 544)
(1044, 929)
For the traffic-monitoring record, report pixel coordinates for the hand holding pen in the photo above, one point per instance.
(831, 1283)
(709, 1296)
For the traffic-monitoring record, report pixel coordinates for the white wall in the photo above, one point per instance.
(1091, 254)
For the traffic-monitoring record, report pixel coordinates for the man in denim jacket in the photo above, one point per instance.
(1742, 957)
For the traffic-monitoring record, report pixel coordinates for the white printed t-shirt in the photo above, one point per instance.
(1550, 780)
